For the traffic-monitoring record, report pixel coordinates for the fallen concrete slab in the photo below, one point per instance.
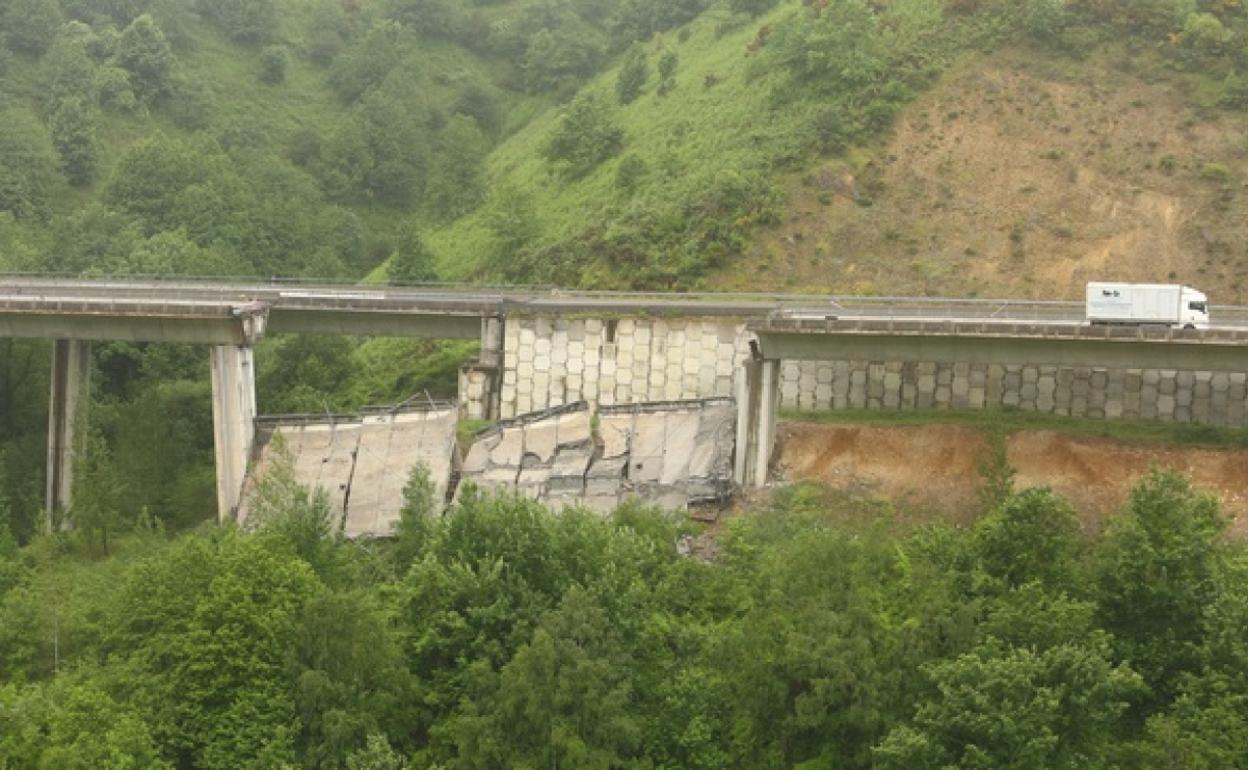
(668, 453)
(361, 462)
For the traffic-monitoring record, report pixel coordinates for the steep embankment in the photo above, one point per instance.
(1024, 173)
(935, 468)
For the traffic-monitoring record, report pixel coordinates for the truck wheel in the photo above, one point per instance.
(1190, 326)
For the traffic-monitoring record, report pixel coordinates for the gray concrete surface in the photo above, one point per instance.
(671, 454)
(362, 463)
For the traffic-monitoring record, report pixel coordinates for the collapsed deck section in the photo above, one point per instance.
(670, 454)
(361, 462)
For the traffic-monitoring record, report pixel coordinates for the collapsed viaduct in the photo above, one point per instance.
(546, 349)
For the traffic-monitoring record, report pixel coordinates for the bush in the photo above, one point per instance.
(273, 62)
(633, 75)
(586, 136)
(629, 173)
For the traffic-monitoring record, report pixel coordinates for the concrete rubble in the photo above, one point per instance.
(362, 463)
(669, 453)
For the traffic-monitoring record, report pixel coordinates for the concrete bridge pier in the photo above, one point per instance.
(67, 409)
(233, 422)
(480, 384)
(758, 411)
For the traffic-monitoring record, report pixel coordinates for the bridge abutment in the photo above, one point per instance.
(233, 421)
(67, 410)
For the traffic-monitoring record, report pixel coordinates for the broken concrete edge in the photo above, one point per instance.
(655, 407)
(524, 420)
(574, 475)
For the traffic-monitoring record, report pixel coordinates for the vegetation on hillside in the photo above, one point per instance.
(821, 634)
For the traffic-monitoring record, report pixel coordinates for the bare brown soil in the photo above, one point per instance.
(1025, 175)
(936, 467)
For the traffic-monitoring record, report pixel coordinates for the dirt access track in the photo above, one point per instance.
(935, 468)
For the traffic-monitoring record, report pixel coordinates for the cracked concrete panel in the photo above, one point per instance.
(391, 446)
(616, 432)
(647, 450)
(509, 450)
(680, 435)
(574, 429)
(362, 463)
(667, 453)
(541, 439)
(712, 451)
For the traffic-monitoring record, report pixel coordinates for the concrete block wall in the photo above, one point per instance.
(549, 362)
(1216, 398)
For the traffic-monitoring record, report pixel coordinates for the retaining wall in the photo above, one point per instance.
(549, 362)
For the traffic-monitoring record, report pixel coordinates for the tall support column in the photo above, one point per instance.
(758, 407)
(67, 408)
(233, 422)
(768, 413)
(747, 422)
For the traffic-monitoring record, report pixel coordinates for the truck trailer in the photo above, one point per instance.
(1147, 304)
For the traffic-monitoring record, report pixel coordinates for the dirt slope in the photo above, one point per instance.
(1026, 175)
(935, 467)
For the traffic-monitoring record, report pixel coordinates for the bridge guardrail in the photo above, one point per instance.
(301, 292)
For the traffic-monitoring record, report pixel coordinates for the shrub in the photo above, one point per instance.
(633, 75)
(586, 136)
(273, 62)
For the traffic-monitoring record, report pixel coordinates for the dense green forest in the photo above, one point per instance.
(817, 632)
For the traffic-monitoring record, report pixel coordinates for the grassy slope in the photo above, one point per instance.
(1025, 173)
(692, 129)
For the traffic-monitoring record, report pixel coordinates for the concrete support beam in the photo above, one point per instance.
(357, 323)
(233, 422)
(1074, 350)
(67, 410)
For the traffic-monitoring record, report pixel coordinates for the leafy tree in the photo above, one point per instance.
(586, 136)
(73, 134)
(668, 63)
(144, 52)
(201, 633)
(1033, 535)
(456, 183)
(30, 25)
(1204, 38)
(1156, 576)
(1018, 709)
(563, 700)
(513, 223)
(376, 755)
(27, 165)
(73, 724)
(247, 21)
(558, 62)
(113, 86)
(634, 73)
(629, 173)
(382, 151)
(752, 7)
(412, 262)
(273, 63)
(434, 18)
(69, 72)
(369, 60)
(476, 102)
(841, 53)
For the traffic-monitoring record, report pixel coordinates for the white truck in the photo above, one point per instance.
(1140, 304)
